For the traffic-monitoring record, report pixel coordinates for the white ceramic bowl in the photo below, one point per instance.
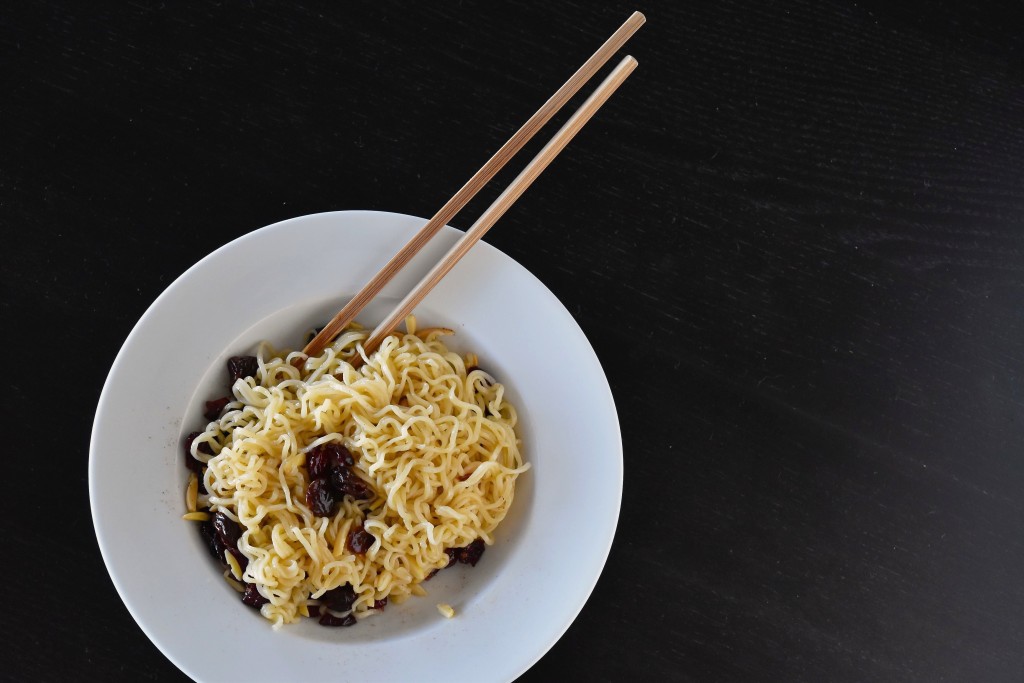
(274, 284)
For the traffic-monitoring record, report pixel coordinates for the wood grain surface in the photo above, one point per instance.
(795, 238)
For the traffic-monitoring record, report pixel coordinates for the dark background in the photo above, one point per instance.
(795, 238)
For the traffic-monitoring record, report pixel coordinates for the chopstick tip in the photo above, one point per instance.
(638, 16)
(628, 63)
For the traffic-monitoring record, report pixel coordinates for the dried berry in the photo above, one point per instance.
(314, 610)
(227, 530)
(471, 553)
(339, 599)
(338, 478)
(191, 462)
(252, 596)
(328, 619)
(319, 462)
(214, 407)
(212, 542)
(242, 366)
(380, 604)
(342, 455)
(346, 482)
(320, 498)
(359, 540)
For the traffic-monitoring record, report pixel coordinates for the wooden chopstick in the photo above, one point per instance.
(474, 184)
(502, 203)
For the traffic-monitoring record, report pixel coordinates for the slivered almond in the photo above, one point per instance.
(233, 565)
(192, 492)
(234, 584)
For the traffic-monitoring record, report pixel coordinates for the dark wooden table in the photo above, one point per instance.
(795, 238)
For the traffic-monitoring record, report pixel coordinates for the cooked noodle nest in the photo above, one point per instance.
(432, 435)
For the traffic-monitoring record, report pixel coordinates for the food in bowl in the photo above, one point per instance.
(329, 486)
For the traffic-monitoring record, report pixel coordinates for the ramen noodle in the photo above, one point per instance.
(432, 460)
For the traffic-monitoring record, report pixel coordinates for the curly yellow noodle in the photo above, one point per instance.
(433, 436)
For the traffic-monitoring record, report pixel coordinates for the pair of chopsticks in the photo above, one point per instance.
(478, 181)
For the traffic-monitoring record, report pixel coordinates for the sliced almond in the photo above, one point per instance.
(233, 565)
(192, 492)
(234, 584)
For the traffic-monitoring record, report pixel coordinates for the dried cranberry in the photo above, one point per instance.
(319, 462)
(227, 530)
(314, 610)
(431, 575)
(346, 482)
(339, 599)
(252, 596)
(328, 619)
(380, 604)
(338, 478)
(214, 407)
(342, 455)
(202, 484)
(320, 498)
(191, 462)
(242, 366)
(213, 543)
(471, 553)
(359, 540)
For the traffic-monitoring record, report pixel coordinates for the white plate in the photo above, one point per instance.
(274, 284)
